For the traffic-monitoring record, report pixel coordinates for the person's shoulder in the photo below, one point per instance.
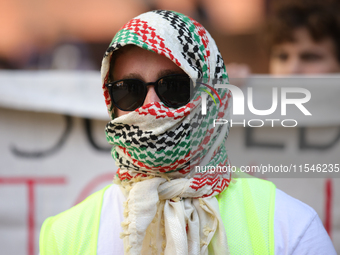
(89, 206)
(91, 203)
(298, 228)
(292, 217)
(66, 227)
(293, 207)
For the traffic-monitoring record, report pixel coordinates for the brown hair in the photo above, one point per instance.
(320, 17)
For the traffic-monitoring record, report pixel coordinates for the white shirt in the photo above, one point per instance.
(297, 227)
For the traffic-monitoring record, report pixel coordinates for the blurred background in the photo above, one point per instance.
(75, 34)
(53, 150)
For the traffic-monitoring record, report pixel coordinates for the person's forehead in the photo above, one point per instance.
(303, 41)
(134, 62)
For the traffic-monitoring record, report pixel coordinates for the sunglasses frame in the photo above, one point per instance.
(146, 84)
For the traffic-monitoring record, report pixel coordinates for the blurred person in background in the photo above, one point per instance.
(304, 37)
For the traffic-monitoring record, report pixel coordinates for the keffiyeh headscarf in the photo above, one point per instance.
(164, 154)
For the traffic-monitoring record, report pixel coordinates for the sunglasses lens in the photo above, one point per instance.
(174, 91)
(128, 95)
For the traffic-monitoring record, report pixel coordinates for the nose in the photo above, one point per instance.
(151, 96)
(294, 66)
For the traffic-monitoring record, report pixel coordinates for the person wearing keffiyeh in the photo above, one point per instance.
(162, 202)
(156, 166)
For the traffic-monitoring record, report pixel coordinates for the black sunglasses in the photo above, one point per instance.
(129, 94)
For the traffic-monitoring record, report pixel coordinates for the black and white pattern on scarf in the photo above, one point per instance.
(157, 148)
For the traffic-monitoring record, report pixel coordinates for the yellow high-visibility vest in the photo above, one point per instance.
(246, 207)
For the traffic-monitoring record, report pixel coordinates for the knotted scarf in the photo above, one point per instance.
(163, 153)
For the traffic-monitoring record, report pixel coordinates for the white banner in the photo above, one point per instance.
(54, 154)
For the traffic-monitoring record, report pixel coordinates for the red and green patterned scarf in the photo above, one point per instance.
(163, 153)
